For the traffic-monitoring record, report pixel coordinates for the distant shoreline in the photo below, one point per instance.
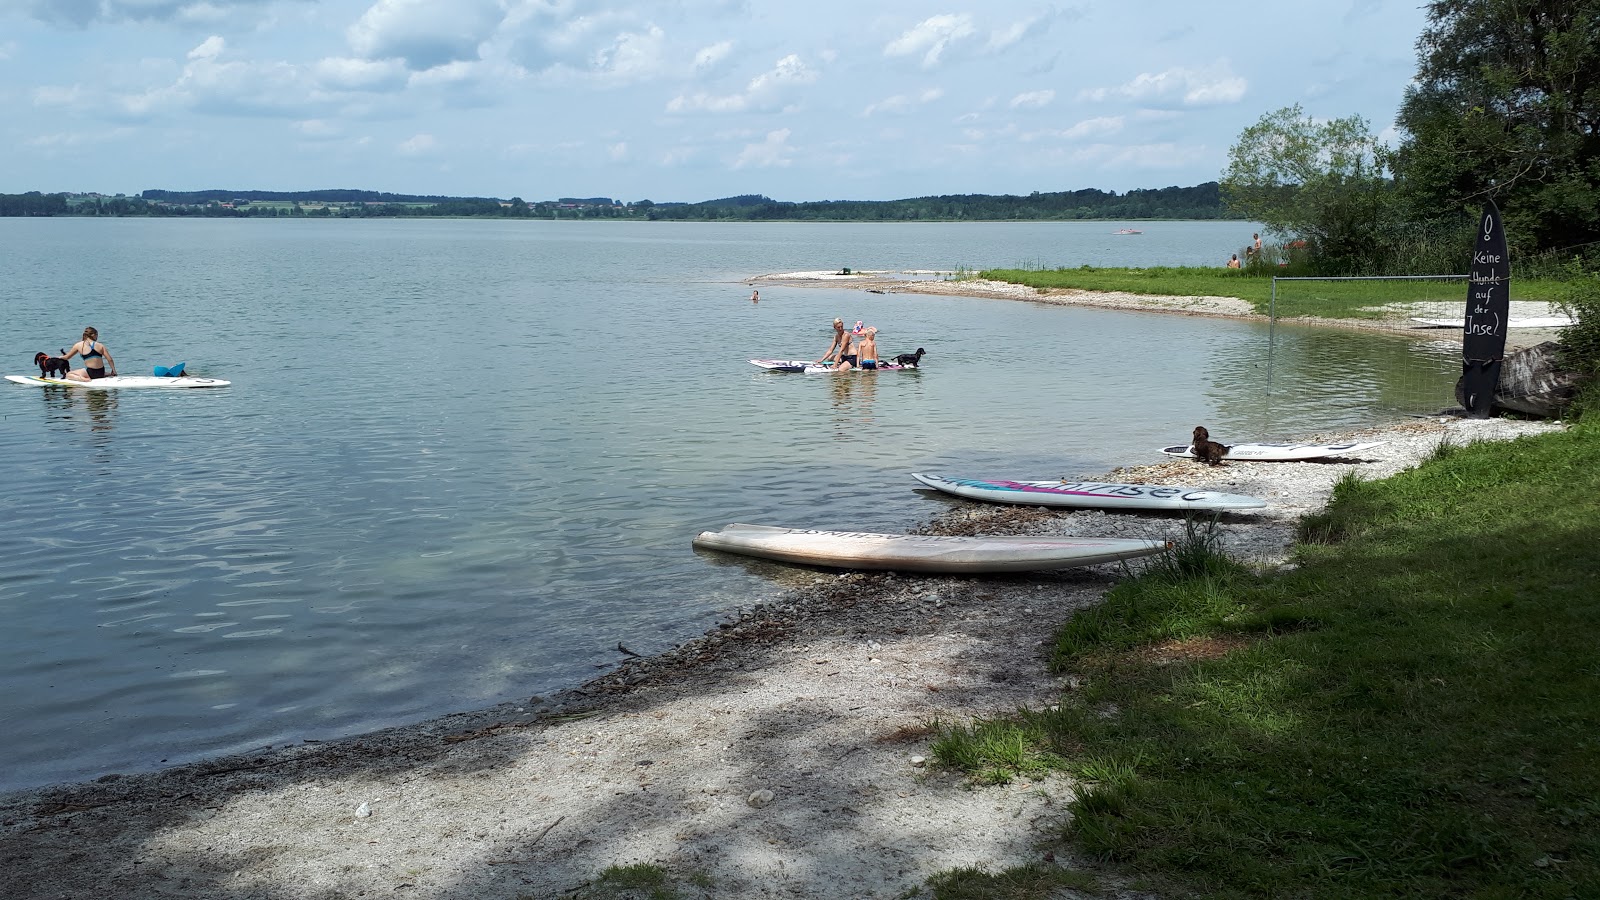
(1397, 321)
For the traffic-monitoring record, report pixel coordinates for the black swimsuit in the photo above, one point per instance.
(94, 371)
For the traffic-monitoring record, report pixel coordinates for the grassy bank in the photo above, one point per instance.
(1414, 710)
(1327, 299)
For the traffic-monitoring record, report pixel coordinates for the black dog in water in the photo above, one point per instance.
(910, 359)
(1205, 449)
(48, 364)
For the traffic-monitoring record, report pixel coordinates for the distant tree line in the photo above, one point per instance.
(33, 203)
(1199, 202)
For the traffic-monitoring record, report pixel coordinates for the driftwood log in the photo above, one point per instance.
(1532, 382)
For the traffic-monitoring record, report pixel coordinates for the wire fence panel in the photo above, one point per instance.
(1410, 369)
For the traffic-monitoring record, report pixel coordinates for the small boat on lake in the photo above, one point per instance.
(1127, 231)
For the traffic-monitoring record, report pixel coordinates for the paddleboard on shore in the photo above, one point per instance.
(1089, 494)
(121, 381)
(811, 368)
(1525, 322)
(1279, 452)
(921, 553)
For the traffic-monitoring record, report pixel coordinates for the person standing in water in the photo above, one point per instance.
(97, 361)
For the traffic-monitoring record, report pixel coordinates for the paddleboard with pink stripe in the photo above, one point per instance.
(1089, 494)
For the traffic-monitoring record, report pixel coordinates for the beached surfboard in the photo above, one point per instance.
(121, 381)
(1279, 452)
(1089, 494)
(811, 368)
(921, 553)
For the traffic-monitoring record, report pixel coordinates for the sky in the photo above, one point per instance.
(673, 100)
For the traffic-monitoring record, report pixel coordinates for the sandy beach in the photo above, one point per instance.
(785, 753)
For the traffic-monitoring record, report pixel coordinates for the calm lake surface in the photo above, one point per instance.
(461, 460)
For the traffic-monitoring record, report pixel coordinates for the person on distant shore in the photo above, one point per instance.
(97, 361)
(837, 348)
(1233, 261)
(1257, 239)
(867, 349)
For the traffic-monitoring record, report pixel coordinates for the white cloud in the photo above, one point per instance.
(618, 151)
(932, 37)
(1033, 99)
(417, 145)
(1212, 86)
(766, 92)
(424, 33)
(346, 74)
(709, 59)
(317, 129)
(210, 48)
(901, 103)
(631, 56)
(7, 49)
(770, 153)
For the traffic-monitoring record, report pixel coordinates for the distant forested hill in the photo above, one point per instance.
(1202, 201)
(1199, 202)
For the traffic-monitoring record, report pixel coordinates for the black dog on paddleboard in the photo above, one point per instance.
(51, 364)
(910, 359)
(1205, 449)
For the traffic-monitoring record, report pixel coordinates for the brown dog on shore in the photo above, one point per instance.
(48, 364)
(1205, 449)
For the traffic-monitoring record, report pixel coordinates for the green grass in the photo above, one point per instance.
(1413, 710)
(1327, 299)
(1026, 883)
(641, 881)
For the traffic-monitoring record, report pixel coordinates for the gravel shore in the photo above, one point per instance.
(782, 754)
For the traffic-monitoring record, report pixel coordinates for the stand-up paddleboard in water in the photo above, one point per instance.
(921, 553)
(1089, 494)
(1279, 452)
(1483, 341)
(811, 368)
(121, 381)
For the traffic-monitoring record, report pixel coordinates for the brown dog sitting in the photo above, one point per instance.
(1205, 449)
(51, 364)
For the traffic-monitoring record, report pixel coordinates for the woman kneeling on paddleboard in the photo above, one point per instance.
(97, 361)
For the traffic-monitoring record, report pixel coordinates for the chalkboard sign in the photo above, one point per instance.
(1483, 341)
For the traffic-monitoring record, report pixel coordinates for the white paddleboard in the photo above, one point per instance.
(1089, 494)
(1525, 322)
(1279, 452)
(921, 553)
(811, 368)
(122, 381)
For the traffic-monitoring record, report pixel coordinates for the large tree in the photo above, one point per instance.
(1506, 105)
(1321, 181)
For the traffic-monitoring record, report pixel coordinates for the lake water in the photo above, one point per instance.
(461, 460)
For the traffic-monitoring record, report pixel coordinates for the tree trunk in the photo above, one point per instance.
(1532, 383)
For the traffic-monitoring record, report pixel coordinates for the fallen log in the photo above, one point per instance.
(1533, 383)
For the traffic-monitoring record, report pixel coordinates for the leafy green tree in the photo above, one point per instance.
(1506, 105)
(1322, 182)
